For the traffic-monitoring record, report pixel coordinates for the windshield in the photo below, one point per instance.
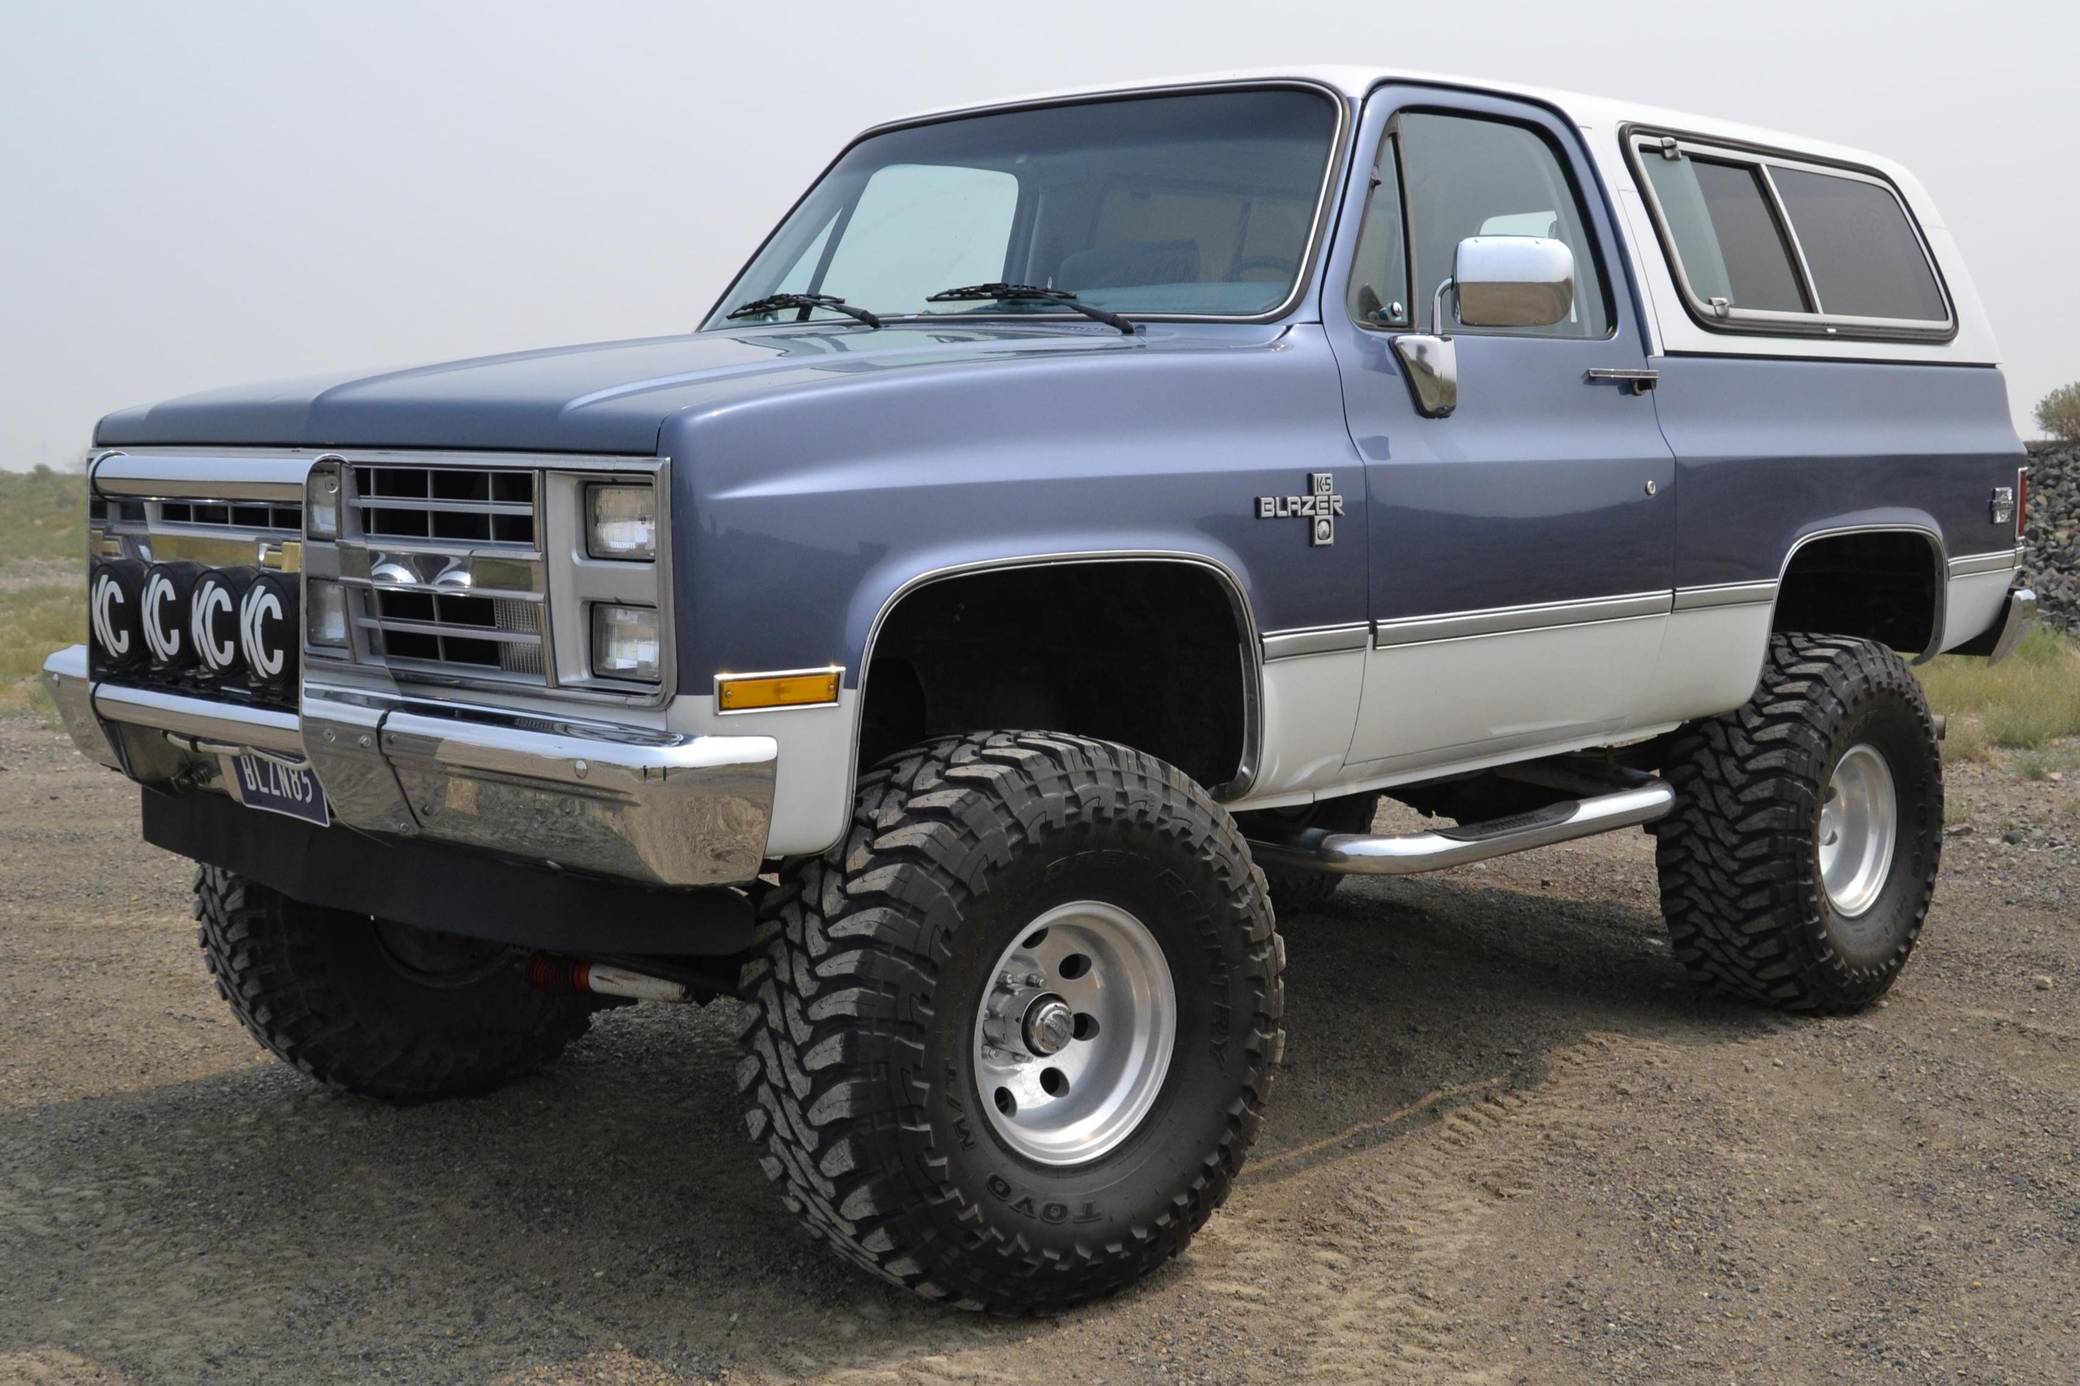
(1190, 204)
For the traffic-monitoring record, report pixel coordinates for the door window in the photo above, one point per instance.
(1379, 269)
(1468, 176)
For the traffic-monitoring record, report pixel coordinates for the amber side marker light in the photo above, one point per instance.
(807, 688)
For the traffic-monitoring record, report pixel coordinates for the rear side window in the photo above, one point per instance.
(1763, 244)
(1726, 235)
(1865, 258)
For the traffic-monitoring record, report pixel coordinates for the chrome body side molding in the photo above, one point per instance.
(1293, 644)
(1726, 594)
(2003, 561)
(1461, 625)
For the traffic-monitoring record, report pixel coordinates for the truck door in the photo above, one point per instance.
(1521, 543)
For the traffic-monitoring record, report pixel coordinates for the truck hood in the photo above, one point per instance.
(608, 397)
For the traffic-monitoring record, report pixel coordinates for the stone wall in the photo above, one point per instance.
(2053, 563)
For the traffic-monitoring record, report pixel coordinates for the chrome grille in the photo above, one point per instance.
(424, 540)
(209, 519)
(243, 515)
(494, 634)
(472, 505)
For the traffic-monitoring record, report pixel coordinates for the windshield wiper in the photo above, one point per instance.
(1030, 293)
(773, 303)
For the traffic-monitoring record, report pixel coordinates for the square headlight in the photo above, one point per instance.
(625, 642)
(325, 612)
(621, 522)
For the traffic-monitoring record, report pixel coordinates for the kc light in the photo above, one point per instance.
(213, 617)
(267, 626)
(321, 503)
(328, 612)
(625, 643)
(115, 602)
(621, 522)
(169, 593)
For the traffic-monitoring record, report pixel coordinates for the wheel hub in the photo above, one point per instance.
(1074, 1036)
(1859, 830)
(1049, 1026)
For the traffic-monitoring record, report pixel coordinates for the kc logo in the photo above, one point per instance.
(158, 595)
(108, 607)
(115, 591)
(211, 624)
(260, 604)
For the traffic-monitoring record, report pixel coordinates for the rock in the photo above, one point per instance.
(2041, 983)
(2012, 836)
(2054, 519)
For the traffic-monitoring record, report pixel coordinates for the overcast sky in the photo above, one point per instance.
(202, 194)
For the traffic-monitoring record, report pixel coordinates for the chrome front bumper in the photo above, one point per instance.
(625, 802)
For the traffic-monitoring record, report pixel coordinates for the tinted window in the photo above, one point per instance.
(1864, 257)
(1470, 177)
(1379, 269)
(1199, 204)
(1727, 237)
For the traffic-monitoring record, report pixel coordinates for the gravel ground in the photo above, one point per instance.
(1512, 1144)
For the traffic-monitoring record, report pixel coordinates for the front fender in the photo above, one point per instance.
(804, 514)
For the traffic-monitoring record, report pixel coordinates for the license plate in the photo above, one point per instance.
(277, 788)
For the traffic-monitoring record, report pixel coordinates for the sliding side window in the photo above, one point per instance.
(1760, 243)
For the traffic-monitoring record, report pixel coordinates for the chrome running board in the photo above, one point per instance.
(1355, 854)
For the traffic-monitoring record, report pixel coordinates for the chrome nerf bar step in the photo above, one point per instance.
(1405, 854)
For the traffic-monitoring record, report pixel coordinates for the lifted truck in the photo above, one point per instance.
(1072, 520)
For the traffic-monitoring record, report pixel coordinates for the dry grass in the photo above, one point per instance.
(43, 540)
(2024, 703)
(35, 618)
(43, 518)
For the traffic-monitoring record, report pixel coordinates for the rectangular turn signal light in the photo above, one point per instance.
(809, 688)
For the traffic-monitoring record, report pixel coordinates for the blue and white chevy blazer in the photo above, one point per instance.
(1188, 464)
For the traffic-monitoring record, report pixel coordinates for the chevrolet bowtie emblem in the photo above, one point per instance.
(1319, 507)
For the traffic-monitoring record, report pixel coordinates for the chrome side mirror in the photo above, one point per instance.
(1510, 281)
(1432, 364)
(1497, 281)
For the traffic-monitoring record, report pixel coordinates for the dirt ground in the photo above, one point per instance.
(1512, 1144)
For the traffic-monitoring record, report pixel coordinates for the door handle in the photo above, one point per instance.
(1636, 382)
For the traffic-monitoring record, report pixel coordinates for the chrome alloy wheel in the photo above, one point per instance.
(1859, 829)
(1075, 1033)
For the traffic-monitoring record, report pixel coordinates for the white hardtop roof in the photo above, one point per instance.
(1588, 112)
(1599, 119)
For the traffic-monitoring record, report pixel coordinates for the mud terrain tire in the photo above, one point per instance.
(863, 1071)
(379, 1010)
(1743, 888)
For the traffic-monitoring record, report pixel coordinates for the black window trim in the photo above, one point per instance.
(1641, 142)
